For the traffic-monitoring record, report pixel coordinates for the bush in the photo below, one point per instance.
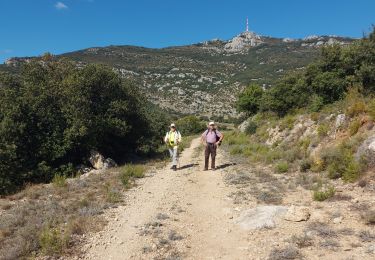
(305, 165)
(111, 194)
(190, 125)
(59, 181)
(323, 130)
(340, 163)
(251, 128)
(354, 126)
(129, 172)
(287, 122)
(321, 195)
(371, 109)
(355, 103)
(326, 80)
(282, 167)
(53, 241)
(54, 113)
(316, 103)
(289, 93)
(249, 99)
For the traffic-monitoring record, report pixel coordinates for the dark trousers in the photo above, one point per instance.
(210, 149)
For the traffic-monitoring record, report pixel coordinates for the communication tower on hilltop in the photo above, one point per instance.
(247, 24)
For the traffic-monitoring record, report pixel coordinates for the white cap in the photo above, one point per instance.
(211, 123)
(173, 125)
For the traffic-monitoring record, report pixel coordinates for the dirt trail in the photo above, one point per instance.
(184, 214)
(195, 214)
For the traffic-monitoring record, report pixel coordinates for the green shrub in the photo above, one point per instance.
(251, 128)
(354, 126)
(305, 165)
(53, 114)
(340, 163)
(282, 167)
(371, 108)
(304, 143)
(236, 150)
(53, 241)
(316, 103)
(292, 154)
(236, 138)
(355, 103)
(249, 99)
(190, 125)
(321, 195)
(59, 181)
(129, 172)
(287, 122)
(112, 195)
(323, 130)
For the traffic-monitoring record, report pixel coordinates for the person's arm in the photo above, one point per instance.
(203, 138)
(166, 138)
(221, 136)
(179, 138)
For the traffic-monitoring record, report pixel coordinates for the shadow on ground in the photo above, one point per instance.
(188, 166)
(225, 165)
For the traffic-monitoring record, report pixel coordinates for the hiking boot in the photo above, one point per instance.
(205, 169)
(174, 167)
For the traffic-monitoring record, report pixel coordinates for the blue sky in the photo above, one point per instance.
(33, 27)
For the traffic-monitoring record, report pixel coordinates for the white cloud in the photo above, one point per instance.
(61, 6)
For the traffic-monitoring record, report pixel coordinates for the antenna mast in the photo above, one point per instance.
(247, 24)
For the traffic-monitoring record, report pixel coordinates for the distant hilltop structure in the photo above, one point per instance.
(244, 39)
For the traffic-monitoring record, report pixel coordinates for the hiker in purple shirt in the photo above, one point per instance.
(211, 138)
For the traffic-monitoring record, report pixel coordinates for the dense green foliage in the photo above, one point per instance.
(324, 81)
(53, 114)
(249, 99)
(190, 125)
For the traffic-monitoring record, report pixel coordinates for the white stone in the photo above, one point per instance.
(297, 214)
(96, 160)
(260, 217)
(337, 220)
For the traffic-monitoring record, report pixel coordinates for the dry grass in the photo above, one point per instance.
(237, 178)
(369, 217)
(321, 229)
(367, 236)
(302, 241)
(46, 219)
(330, 244)
(289, 252)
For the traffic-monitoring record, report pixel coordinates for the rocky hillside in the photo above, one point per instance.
(203, 78)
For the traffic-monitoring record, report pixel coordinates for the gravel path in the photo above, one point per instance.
(174, 215)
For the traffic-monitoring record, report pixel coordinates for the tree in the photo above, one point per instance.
(53, 114)
(249, 99)
(190, 125)
(289, 93)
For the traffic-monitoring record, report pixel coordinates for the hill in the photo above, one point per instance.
(203, 78)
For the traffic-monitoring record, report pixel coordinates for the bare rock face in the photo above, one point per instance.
(109, 163)
(260, 217)
(243, 40)
(340, 121)
(96, 160)
(297, 214)
(366, 151)
(242, 127)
